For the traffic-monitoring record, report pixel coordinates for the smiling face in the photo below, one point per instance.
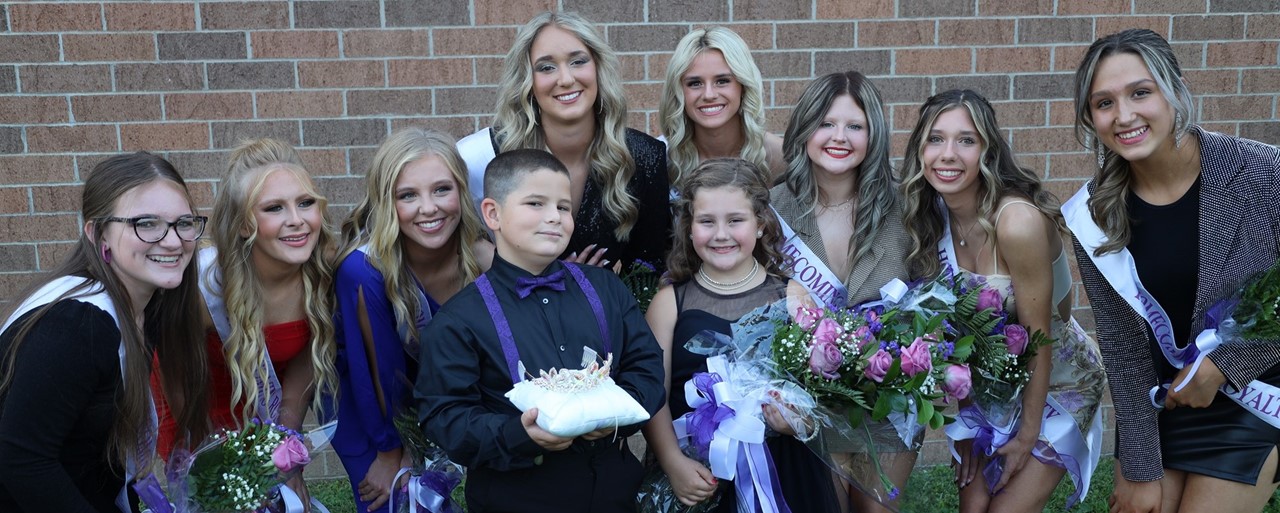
(712, 96)
(288, 216)
(427, 203)
(952, 154)
(564, 76)
(1131, 115)
(839, 144)
(141, 266)
(724, 231)
(533, 224)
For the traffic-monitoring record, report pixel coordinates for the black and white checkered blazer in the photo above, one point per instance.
(1239, 230)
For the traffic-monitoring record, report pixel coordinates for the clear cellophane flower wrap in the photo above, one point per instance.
(657, 495)
(433, 479)
(232, 471)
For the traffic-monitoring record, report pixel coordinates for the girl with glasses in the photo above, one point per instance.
(77, 422)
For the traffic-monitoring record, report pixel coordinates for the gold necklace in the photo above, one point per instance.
(967, 232)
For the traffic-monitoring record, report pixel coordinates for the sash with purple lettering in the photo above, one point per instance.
(96, 295)
(1060, 443)
(825, 287)
(1119, 270)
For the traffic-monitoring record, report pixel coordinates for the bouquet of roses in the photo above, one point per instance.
(995, 350)
(232, 471)
(642, 280)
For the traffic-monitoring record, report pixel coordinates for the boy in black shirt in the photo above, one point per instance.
(531, 308)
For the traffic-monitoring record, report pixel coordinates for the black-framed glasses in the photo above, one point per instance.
(152, 229)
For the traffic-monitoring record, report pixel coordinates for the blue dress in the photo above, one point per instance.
(387, 363)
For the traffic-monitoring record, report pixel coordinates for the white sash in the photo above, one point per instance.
(825, 287)
(947, 248)
(1119, 270)
(97, 296)
(477, 151)
(269, 393)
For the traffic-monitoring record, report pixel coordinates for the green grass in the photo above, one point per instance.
(932, 489)
(929, 490)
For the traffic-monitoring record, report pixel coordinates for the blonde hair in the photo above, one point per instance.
(518, 119)
(998, 171)
(1108, 203)
(374, 221)
(683, 156)
(245, 347)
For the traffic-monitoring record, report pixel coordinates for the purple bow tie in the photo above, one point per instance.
(553, 281)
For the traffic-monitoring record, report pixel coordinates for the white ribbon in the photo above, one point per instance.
(1119, 270)
(738, 439)
(807, 268)
(293, 503)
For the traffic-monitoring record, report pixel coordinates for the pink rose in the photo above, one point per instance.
(916, 358)
(290, 454)
(990, 298)
(956, 381)
(863, 336)
(878, 366)
(807, 317)
(1016, 338)
(827, 333)
(825, 360)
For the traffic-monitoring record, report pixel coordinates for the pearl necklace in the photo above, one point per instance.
(967, 232)
(755, 267)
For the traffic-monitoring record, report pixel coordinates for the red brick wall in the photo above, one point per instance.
(79, 80)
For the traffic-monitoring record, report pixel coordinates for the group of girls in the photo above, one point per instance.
(292, 316)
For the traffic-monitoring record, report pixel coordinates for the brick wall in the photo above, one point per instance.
(80, 80)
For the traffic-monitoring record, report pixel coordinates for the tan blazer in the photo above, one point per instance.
(889, 248)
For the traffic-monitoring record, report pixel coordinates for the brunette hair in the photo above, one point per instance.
(735, 173)
(166, 333)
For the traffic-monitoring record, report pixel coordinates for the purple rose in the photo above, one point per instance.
(1016, 338)
(916, 358)
(827, 333)
(825, 360)
(990, 298)
(957, 381)
(290, 454)
(807, 317)
(878, 366)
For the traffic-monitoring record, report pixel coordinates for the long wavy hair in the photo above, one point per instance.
(675, 124)
(752, 180)
(374, 221)
(998, 171)
(235, 232)
(518, 119)
(166, 333)
(876, 188)
(1107, 204)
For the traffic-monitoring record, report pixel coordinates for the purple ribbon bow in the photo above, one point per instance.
(704, 420)
(984, 443)
(553, 281)
(435, 491)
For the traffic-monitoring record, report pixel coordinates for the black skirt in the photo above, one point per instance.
(1223, 440)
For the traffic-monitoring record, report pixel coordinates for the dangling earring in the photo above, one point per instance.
(1178, 129)
(1102, 154)
(106, 254)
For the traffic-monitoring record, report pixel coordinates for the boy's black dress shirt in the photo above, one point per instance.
(463, 372)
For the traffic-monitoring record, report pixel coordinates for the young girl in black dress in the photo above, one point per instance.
(724, 262)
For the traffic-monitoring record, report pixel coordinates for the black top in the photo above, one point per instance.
(1165, 245)
(464, 373)
(699, 310)
(650, 238)
(57, 413)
